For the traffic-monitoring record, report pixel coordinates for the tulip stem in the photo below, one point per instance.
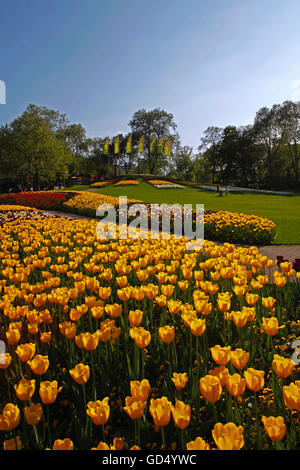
(163, 437)
(257, 423)
(169, 360)
(103, 433)
(191, 353)
(36, 436)
(93, 375)
(143, 363)
(48, 425)
(139, 432)
(182, 435)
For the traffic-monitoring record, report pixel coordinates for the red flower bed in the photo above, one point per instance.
(38, 199)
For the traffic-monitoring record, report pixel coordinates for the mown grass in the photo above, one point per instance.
(284, 211)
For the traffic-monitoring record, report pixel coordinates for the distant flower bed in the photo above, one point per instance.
(126, 182)
(79, 202)
(38, 199)
(100, 184)
(162, 184)
(236, 227)
(159, 182)
(86, 203)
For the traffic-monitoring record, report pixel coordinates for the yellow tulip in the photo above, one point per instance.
(228, 436)
(134, 407)
(221, 372)
(26, 351)
(33, 413)
(239, 358)
(48, 391)
(166, 333)
(210, 387)
(160, 410)
(220, 355)
(10, 417)
(63, 444)
(135, 317)
(268, 302)
(181, 414)
(251, 299)
(282, 366)
(291, 395)
(179, 380)
(25, 389)
(197, 326)
(274, 427)
(5, 360)
(140, 336)
(39, 364)
(270, 325)
(140, 389)
(98, 411)
(80, 373)
(13, 444)
(197, 444)
(254, 379)
(235, 385)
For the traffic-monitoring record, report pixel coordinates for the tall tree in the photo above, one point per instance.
(292, 111)
(271, 128)
(38, 156)
(210, 141)
(183, 164)
(157, 123)
(74, 135)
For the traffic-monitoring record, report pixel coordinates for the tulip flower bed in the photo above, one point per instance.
(10, 213)
(126, 182)
(99, 184)
(221, 226)
(38, 199)
(140, 344)
(236, 227)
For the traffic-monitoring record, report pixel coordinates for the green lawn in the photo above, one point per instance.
(284, 211)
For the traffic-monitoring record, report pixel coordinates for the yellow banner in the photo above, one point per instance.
(152, 142)
(160, 145)
(105, 149)
(141, 144)
(116, 144)
(128, 145)
(168, 148)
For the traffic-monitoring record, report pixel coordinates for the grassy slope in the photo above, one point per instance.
(284, 211)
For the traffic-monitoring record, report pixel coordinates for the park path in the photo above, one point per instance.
(289, 252)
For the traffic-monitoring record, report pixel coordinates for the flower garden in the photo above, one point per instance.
(140, 344)
(221, 226)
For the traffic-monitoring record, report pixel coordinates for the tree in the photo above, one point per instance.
(74, 136)
(271, 129)
(210, 145)
(228, 150)
(56, 121)
(292, 111)
(96, 161)
(156, 123)
(34, 155)
(183, 164)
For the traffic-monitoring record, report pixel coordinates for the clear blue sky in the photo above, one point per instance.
(212, 62)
